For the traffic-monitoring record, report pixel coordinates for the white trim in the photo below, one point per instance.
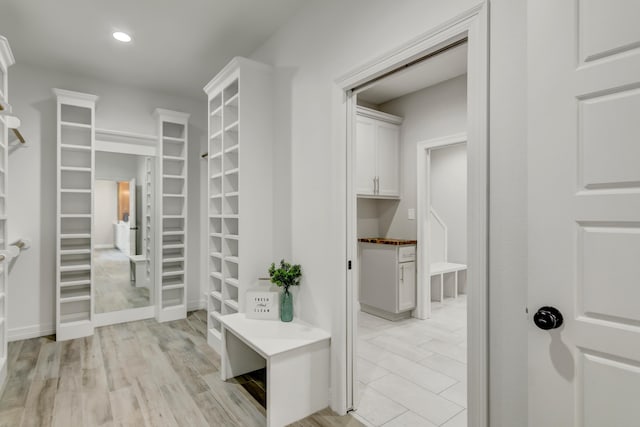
(28, 332)
(423, 167)
(124, 316)
(474, 25)
(126, 148)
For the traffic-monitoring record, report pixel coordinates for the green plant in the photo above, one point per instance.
(285, 275)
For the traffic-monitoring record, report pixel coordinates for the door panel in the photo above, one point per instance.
(584, 211)
(133, 224)
(365, 155)
(388, 159)
(407, 286)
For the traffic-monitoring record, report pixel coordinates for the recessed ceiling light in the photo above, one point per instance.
(122, 37)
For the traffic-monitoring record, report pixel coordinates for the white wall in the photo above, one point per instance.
(449, 197)
(320, 44)
(434, 112)
(106, 204)
(32, 183)
(116, 166)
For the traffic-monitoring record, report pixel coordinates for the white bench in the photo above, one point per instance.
(443, 270)
(296, 356)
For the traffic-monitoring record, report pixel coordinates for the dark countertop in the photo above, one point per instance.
(384, 241)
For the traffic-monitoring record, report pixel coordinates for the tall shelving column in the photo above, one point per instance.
(239, 186)
(172, 245)
(74, 261)
(6, 60)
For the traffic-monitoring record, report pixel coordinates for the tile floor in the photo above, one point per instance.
(413, 372)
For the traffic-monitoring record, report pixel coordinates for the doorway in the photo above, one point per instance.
(472, 27)
(123, 253)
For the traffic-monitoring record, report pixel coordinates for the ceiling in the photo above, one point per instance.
(178, 46)
(447, 65)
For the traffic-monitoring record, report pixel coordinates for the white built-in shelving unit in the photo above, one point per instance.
(172, 228)
(6, 60)
(240, 218)
(74, 248)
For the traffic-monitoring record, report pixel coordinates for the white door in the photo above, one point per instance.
(407, 286)
(365, 156)
(584, 211)
(133, 227)
(388, 138)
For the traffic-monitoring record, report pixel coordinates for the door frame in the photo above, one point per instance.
(473, 25)
(423, 217)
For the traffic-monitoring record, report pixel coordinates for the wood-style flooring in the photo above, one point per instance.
(134, 374)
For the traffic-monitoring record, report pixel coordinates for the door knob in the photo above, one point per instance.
(548, 318)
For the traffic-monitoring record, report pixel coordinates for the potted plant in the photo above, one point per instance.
(285, 276)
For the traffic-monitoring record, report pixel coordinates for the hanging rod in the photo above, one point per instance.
(13, 126)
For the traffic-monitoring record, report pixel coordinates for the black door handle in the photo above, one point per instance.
(548, 318)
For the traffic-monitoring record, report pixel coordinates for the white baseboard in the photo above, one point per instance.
(28, 332)
(104, 246)
(35, 331)
(196, 305)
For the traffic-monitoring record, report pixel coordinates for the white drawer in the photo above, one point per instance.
(406, 253)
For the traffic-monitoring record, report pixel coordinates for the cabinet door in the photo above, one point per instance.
(407, 286)
(388, 141)
(365, 156)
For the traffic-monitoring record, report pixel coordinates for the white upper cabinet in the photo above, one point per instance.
(377, 154)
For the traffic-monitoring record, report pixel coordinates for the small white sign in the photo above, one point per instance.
(262, 305)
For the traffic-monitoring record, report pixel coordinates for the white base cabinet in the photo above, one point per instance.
(387, 279)
(377, 154)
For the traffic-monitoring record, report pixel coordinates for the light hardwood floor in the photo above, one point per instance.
(134, 374)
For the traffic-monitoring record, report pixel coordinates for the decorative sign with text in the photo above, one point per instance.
(262, 305)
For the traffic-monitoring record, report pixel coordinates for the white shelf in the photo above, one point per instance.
(75, 190)
(75, 236)
(217, 295)
(74, 283)
(232, 303)
(75, 251)
(232, 171)
(215, 254)
(168, 260)
(216, 175)
(174, 158)
(232, 148)
(233, 101)
(217, 111)
(74, 169)
(172, 273)
(173, 246)
(233, 259)
(172, 139)
(216, 134)
(173, 216)
(232, 194)
(175, 196)
(75, 216)
(233, 127)
(231, 281)
(72, 147)
(75, 298)
(216, 155)
(216, 275)
(169, 287)
(74, 267)
(216, 196)
(215, 234)
(75, 125)
(173, 232)
(173, 176)
(232, 236)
